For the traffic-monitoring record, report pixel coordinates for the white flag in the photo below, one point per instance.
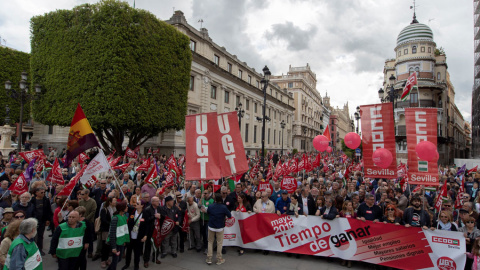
(97, 165)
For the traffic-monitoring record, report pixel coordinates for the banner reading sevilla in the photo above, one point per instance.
(350, 239)
(378, 131)
(422, 126)
(214, 146)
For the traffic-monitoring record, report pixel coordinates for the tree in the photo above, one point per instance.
(349, 152)
(128, 70)
(12, 64)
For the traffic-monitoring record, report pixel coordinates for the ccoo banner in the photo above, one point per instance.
(214, 146)
(422, 126)
(350, 239)
(378, 131)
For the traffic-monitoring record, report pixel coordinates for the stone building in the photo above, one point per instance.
(416, 51)
(311, 115)
(476, 86)
(340, 123)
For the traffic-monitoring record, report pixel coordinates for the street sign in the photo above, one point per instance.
(358, 152)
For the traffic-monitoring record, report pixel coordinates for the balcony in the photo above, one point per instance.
(477, 59)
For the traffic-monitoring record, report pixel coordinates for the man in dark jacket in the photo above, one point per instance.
(151, 213)
(216, 222)
(24, 204)
(168, 210)
(307, 203)
(328, 211)
(416, 216)
(368, 210)
(182, 208)
(43, 213)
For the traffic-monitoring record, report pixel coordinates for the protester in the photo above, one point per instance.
(151, 216)
(106, 215)
(471, 233)
(264, 204)
(329, 211)
(138, 235)
(416, 216)
(23, 252)
(194, 223)
(118, 234)
(368, 210)
(217, 213)
(89, 235)
(390, 215)
(474, 254)
(10, 234)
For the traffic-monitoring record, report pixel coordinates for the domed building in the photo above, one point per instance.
(416, 51)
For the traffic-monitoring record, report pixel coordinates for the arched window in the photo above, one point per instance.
(439, 76)
(414, 49)
(417, 70)
(410, 71)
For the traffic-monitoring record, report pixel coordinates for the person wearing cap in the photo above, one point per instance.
(169, 210)
(7, 218)
(282, 203)
(182, 208)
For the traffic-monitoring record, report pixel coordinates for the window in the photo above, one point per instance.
(237, 101)
(193, 45)
(240, 73)
(246, 132)
(247, 104)
(438, 76)
(333, 122)
(213, 92)
(216, 59)
(422, 49)
(399, 52)
(50, 129)
(410, 71)
(302, 144)
(290, 84)
(414, 49)
(192, 81)
(405, 51)
(413, 99)
(258, 84)
(255, 107)
(417, 70)
(268, 136)
(229, 67)
(254, 134)
(269, 112)
(249, 79)
(429, 49)
(227, 97)
(274, 114)
(274, 136)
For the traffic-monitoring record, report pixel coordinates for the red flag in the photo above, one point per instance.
(111, 155)
(170, 179)
(82, 158)
(156, 151)
(114, 161)
(215, 187)
(161, 232)
(181, 161)
(130, 153)
(293, 168)
(145, 165)
(459, 200)
(316, 162)
(137, 149)
(278, 171)
(43, 163)
(326, 133)
(417, 189)
(270, 172)
(263, 185)
(73, 182)
(30, 155)
(474, 170)
(443, 193)
(19, 186)
(149, 151)
(55, 176)
(289, 184)
(151, 177)
(122, 167)
(254, 171)
(308, 164)
(186, 225)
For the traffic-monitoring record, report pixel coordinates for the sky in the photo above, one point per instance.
(345, 42)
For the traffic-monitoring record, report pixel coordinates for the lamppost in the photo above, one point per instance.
(265, 80)
(391, 95)
(240, 114)
(357, 117)
(23, 96)
(282, 125)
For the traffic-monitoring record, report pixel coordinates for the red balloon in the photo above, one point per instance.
(329, 149)
(382, 158)
(426, 151)
(352, 140)
(321, 142)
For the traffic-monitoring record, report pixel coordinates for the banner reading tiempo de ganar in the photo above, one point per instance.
(378, 131)
(350, 239)
(422, 126)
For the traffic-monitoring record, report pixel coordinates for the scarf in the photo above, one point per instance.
(445, 227)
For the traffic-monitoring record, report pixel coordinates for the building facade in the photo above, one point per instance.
(340, 123)
(311, 115)
(219, 82)
(416, 51)
(475, 153)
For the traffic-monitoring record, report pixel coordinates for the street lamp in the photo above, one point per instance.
(282, 125)
(265, 80)
(23, 96)
(390, 97)
(357, 116)
(240, 114)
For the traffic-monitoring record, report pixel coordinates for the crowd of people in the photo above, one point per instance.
(121, 215)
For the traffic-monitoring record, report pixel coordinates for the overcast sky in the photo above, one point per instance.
(345, 42)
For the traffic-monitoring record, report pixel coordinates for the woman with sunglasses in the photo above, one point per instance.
(445, 221)
(391, 215)
(470, 232)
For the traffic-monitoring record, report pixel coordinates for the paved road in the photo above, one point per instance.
(250, 260)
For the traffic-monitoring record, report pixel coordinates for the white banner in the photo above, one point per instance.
(97, 165)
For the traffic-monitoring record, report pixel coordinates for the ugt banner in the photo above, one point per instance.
(214, 146)
(422, 126)
(378, 131)
(349, 239)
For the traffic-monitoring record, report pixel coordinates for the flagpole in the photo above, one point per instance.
(119, 187)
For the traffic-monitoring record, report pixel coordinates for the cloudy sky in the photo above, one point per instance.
(345, 42)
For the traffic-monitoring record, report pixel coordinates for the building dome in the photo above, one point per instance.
(415, 31)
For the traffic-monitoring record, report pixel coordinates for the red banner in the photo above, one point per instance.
(30, 155)
(378, 131)
(214, 146)
(289, 184)
(349, 239)
(422, 126)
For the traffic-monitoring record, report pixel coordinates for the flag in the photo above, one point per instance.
(459, 199)
(97, 165)
(474, 170)
(90, 183)
(156, 151)
(185, 225)
(80, 137)
(149, 151)
(215, 187)
(462, 170)
(30, 155)
(270, 173)
(145, 165)
(19, 186)
(137, 149)
(29, 170)
(43, 164)
(278, 171)
(411, 81)
(181, 161)
(130, 153)
(111, 155)
(417, 189)
(151, 177)
(170, 179)
(122, 167)
(114, 162)
(441, 195)
(82, 158)
(326, 133)
(55, 176)
(293, 167)
(234, 180)
(67, 190)
(160, 232)
(253, 171)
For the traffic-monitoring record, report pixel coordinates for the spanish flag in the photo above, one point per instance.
(80, 137)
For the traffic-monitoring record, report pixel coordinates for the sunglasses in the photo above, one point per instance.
(470, 222)
(103, 183)
(82, 194)
(390, 209)
(443, 217)
(447, 205)
(17, 217)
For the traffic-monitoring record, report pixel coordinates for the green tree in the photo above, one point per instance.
(349, 152)
(12, 63)
(128, 70)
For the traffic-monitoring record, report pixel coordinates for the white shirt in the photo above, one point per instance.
(305, 205)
